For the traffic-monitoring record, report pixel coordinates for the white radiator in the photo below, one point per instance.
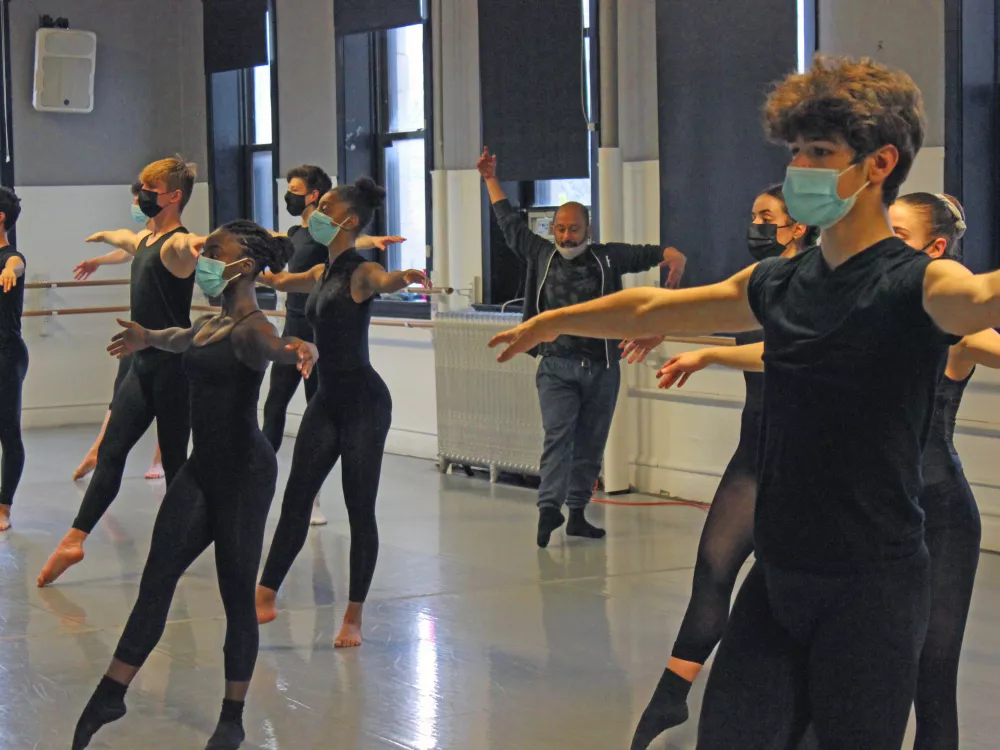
(488, 414)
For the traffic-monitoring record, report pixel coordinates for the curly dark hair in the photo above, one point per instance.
(267, 251)
(863, 102)
(314, 177)
(811, 237)
(943, 217)
(136, 188)
(10, 205)
(364, 197)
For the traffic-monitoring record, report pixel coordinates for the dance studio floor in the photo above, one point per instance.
(476, 639)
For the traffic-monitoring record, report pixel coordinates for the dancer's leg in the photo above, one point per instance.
(13, 367)
(559, 397)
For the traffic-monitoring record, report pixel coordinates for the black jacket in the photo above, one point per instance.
(614, 258)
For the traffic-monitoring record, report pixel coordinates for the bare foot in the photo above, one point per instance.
(350, 631)
(68, 553)
(88, 464)
(317, 518)
(4, 517)
(266, 609)
(155, 471)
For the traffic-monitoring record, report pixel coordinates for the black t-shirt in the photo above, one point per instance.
(852, 360)
(308, 254)
(11, 303)
(159, 299)
(569, 282)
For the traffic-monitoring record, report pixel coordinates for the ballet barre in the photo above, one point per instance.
(73, 311)
(387, 322)
(72, 284)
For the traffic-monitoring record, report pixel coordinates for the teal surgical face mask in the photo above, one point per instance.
(811, 195)
(137, 215)
(208, 275)
(322, 228)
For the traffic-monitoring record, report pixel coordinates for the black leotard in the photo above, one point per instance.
(13, 368)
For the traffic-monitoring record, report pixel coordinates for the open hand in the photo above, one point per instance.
(382, 243)
(638, 349)
(308, 356)
(519, 340)
(680, 368)
(85, 270)
(132, 338)
(8, 279)
(487, 165)
(97, 237)
(416, 277)
(676, 262)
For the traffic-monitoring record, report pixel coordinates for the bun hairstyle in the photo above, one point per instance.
(267, 251)
(943, 216)
(136, 188)
(811, 236)
(364, 197)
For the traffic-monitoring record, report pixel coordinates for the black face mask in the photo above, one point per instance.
(148, 203)
(762, 241)
(296, 204)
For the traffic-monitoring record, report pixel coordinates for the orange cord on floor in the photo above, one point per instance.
(640, 504)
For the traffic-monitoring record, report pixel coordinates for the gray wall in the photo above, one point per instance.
(638, 119)
(907, 35)
(307, 84)
(461, 121)
(149, 92)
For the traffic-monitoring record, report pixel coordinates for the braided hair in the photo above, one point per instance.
(943, 217)
(364, 197)
(267, 251)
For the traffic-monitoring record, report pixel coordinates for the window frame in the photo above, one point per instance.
(249, 146)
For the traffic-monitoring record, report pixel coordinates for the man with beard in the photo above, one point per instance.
(578, 378)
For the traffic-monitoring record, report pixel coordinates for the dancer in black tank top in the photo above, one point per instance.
(13, 356)
(161, 289)
(84, 271)
(727, 536)
(223, 491)
(351, 412)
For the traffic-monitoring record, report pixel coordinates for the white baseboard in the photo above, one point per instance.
(39, 417)
(399, 443)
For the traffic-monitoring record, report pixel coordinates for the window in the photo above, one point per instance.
(557, 192)
(260, 196)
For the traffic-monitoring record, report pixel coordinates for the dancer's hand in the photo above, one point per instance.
(195, 242)
(308, 356)
(382, 243)
(676, 262)
(132, 338)
(487, 165)
(522, 339)
(681, 367)
(414, 276)
(100, 237)
(638, 349)
(8, 279)
(86, 269)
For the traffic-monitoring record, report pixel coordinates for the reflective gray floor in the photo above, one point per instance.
(475, 639)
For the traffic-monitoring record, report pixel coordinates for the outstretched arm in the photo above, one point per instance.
(13, 269)
(292, 282)
(748, 358)
(264, 345)
(123, 239)
(371, 279)
(640, 313)
(180, 253)
(134, 338)
(366, 242)
(958, 301)
(981, 348)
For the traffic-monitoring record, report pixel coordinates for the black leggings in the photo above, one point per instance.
(841, 651)
(349, 417)
(726, 543)
(953, 532)
(205, 505)
(285, 381)
(155, 387)
(13, 368)
(124, 365)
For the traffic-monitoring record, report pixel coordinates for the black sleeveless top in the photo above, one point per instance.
(159, 299)
(224, 395)
(754, 380)
(340, 324)
(940, 459)
(308, 254)
(12, 303)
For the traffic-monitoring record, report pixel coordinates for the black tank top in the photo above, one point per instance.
(159, 299)
(339, 323)
(308, 254)
(754, 380)
(940, 459)
(224, 394)
(12, 303)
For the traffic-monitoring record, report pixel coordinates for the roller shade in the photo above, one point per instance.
(356, 16)
(235, 34)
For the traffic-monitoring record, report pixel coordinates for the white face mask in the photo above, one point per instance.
(569, 253)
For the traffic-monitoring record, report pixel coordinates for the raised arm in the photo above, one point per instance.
(958, 301)
(13, 269)
(520, 239)
(292, 282)
(133, 338)
(748, 358)
(371, 279)
(180, 253)
(640, 313)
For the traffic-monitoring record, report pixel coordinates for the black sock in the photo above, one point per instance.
(107, 704)
(229, 734)
(549, 519)
(667, 708)
(579, 526)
